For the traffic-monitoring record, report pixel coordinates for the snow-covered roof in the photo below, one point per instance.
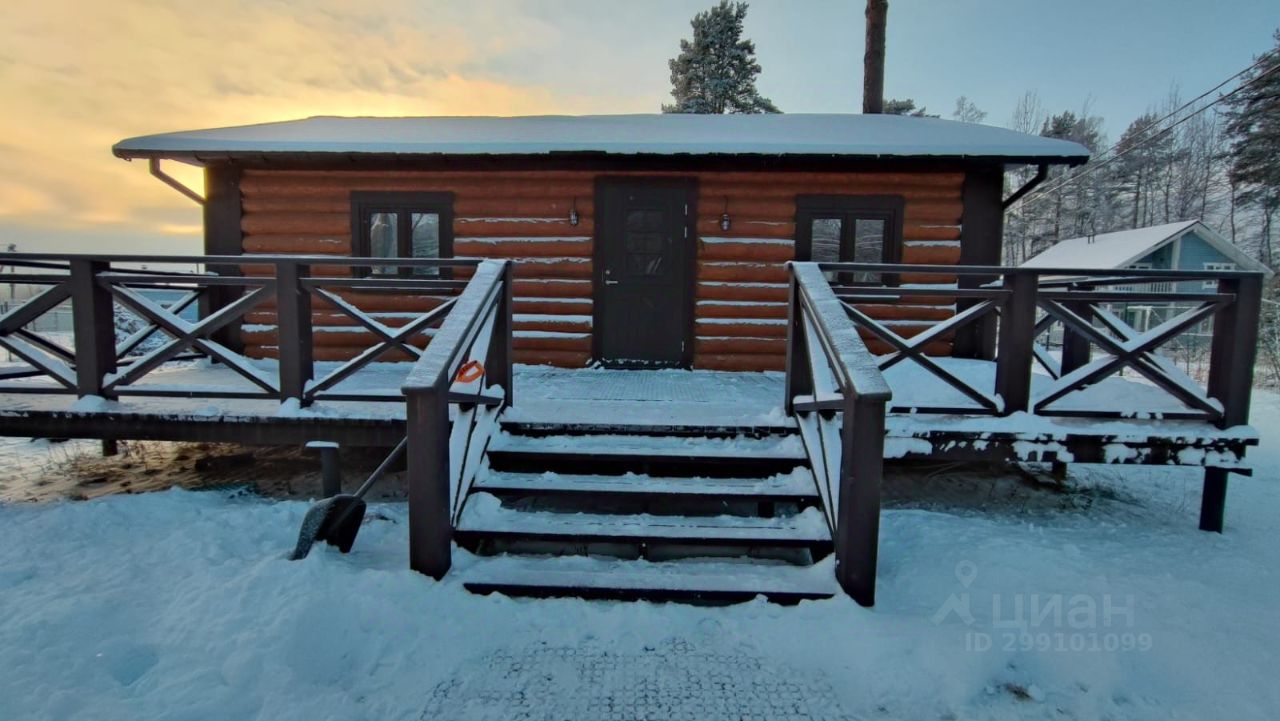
(1109, 251)
(658, 134)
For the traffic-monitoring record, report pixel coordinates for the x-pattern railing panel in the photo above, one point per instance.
(136, 339)
(46, 357)
(1129, 349)
(185, 334)
(390, 338)
(914, 348)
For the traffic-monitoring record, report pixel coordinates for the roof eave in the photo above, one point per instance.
(204, 157)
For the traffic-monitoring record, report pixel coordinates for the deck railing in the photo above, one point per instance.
(287, 289)
(836, 391)
(1026, 303)
(468, 364)
(830, 372)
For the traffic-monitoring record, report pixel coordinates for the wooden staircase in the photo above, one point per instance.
(708, 514)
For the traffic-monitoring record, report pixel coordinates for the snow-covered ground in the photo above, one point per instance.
(180, 605)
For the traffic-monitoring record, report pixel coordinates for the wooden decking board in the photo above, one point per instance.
(798, 485)
(775, 447)
(574, 576)
(487, 519)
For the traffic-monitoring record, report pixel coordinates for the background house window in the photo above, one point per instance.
(402, 225)
(849, 229)
(1211, 284)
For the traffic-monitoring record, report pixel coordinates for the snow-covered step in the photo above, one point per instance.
(771, 447)
(484, 516)
(668, 580)
(796, 485)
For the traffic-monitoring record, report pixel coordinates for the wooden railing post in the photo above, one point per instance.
(94, 327)
(857, 534)
(799, 379)
(430, 523)
(501, 356)
(1013, 346)
(1232, 357)
(293, 330)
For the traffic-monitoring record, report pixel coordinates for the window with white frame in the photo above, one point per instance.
(1210, 283)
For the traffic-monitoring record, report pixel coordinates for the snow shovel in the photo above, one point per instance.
(336, 520)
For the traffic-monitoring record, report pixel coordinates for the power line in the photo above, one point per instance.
(1096, 166)
(1047, 191)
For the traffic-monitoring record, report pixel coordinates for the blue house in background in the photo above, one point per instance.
(1185, 245)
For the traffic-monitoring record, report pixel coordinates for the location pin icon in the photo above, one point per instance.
(966, 572)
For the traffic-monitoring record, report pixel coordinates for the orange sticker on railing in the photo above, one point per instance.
(471, 370)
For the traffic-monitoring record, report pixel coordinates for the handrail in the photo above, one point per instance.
(443, 355)
(247, 259)
(855, 367)
(970, 270)
(444, 453)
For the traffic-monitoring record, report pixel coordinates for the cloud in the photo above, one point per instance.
(76, 77)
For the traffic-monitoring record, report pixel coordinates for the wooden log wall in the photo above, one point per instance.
(740, 313)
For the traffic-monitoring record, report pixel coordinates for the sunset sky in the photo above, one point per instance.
(75, 77)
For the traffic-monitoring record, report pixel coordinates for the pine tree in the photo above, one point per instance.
(967, 111)
(1083, 207)
(716, 71)
(906, 107)
(1253, 126)
(1141, 151)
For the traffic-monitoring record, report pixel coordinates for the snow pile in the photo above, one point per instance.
(180, 605)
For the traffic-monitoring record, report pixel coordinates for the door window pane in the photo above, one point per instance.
(426, 240)
(383, 239)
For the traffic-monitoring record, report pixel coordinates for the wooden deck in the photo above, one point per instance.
(649, 400)
(654, 465)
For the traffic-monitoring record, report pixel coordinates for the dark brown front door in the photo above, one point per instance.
(644, 295)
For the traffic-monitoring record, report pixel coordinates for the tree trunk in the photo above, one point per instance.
(873, 60)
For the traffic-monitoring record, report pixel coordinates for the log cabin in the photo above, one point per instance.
(638, 240)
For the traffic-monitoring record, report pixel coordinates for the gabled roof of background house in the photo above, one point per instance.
(866, 136)
(1109, 251)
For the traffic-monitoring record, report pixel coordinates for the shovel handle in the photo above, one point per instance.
(383, 467)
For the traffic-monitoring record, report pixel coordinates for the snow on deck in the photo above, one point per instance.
(657, 398)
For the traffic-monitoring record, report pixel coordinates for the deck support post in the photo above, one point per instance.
(1076, 350)
(330, 472)
(1213, 503)
(293, 331)
(430, 514)
(799, 380)
(857, 533)
(1017, 334)
(1233, 353)
(94, 326)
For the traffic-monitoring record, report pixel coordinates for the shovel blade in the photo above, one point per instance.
(335, 520)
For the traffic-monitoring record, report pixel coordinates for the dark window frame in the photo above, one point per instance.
(848, 208)
(364, 203)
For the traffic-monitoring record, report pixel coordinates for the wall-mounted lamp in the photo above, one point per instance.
(573, 213)
(724, 217)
